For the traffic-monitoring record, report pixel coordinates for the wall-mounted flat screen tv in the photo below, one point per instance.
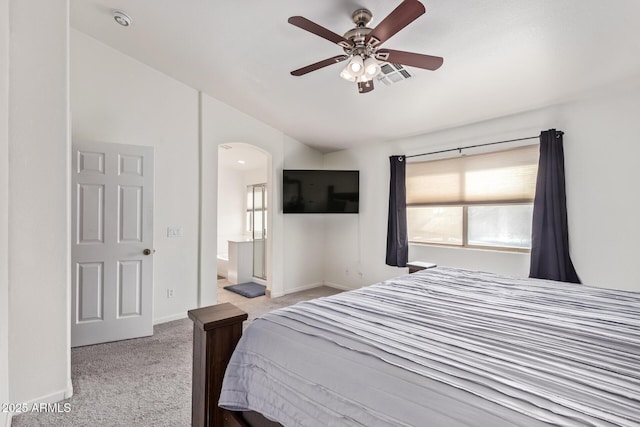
(320, 191)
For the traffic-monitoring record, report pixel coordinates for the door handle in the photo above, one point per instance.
(148, 251)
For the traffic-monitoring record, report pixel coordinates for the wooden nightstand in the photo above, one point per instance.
(419, 265)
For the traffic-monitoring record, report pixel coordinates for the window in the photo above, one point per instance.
(256, 214)
(484, 200)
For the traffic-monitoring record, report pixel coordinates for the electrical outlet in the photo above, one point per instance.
(170, 292)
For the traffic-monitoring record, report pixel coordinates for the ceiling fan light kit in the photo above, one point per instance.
(361, 45)
(371, 67)
(345, 74)
(359, 70)
(356, 65)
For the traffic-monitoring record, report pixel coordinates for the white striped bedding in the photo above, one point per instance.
(445, 347)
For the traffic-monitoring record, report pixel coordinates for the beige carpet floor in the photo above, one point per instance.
(144, 381)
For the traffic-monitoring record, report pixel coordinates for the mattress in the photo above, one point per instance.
(445, 347)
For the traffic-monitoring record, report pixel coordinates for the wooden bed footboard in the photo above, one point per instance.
(216, 331)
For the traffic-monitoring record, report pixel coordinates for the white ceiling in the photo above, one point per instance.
(500, 57)
(242, 157)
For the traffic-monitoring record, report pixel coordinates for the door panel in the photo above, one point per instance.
(89, 162)
(130, 215)
(130, 288)
(90, 280)
(91, 220)
(112, 295)
(130, 165)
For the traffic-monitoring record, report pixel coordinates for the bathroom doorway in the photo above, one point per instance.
(243, 247)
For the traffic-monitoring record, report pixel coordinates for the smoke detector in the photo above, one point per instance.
(122, 18)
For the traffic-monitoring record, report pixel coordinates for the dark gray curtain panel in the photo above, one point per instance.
(550, 233)
(397, 239)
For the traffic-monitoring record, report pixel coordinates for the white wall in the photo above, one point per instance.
(601, 159)
(231, 206)
(120, 100)
(222, 124)
(38, 216)
(303, 233)
(601, 153)
(288, 267)
(115, 98)
(4, 207)
(355, 244)
(253, 177)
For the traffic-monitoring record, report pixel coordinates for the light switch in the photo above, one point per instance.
(175, 232)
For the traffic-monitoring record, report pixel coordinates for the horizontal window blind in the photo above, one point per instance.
(500, 177)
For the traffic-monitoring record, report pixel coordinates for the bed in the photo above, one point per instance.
(444, 347)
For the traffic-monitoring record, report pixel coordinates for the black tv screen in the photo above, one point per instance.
(320, 191)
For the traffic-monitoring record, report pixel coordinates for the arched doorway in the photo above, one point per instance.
(243, 214)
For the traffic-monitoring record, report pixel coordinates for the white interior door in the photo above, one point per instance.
(112, 242)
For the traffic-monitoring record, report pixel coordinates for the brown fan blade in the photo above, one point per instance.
(318, 65)
(427, 62)
(318, 30)
(403, 15)
(364, 87)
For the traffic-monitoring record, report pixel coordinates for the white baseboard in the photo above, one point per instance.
(296, 289)
(311, 286)
(259, 281)
(341, 287)
(54, 397)
(171, 318)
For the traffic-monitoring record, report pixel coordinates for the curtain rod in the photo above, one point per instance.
(459, 149)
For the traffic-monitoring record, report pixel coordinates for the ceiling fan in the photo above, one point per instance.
(362, 45)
